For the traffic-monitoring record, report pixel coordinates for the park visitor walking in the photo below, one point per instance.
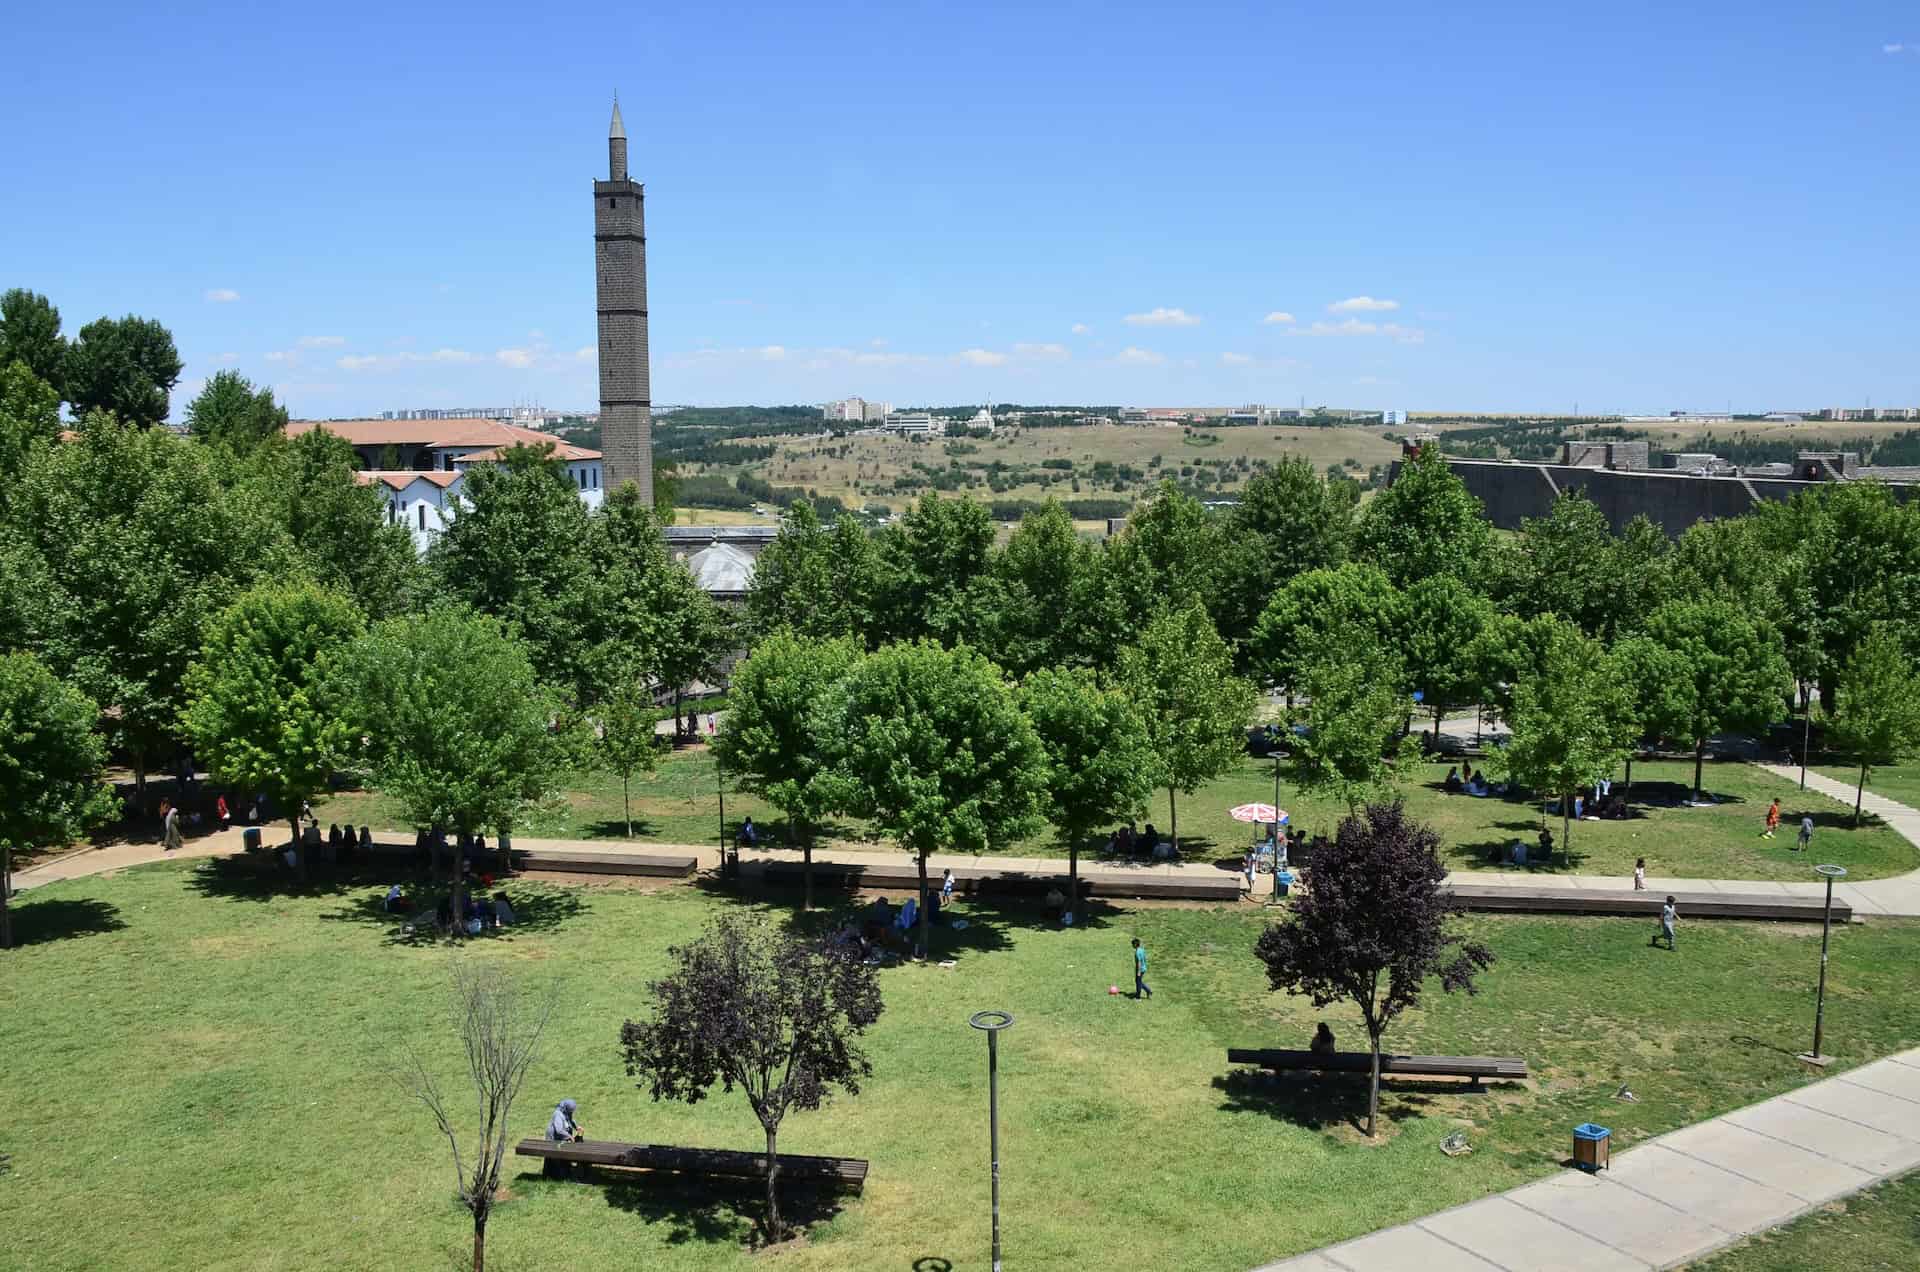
(1773, 820)
(170, 828)
(1640, 874)
(1669, 915)
(1806, 833)
(1140, 987)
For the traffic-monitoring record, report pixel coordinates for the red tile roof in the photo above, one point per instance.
(461, 432)
(561, 450)
(401, 478)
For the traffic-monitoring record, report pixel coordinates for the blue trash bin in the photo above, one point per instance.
(250, 838)
(1592, 1147)
(1282, 881)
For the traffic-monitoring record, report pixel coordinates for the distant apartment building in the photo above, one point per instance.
(1393, 417)
(856, 411)
(918, 424)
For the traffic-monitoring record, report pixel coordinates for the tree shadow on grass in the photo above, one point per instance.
(704, 1210)
(537, 908)
(1317, 1101)
(35, 922)
(263, 876)
(615, 828)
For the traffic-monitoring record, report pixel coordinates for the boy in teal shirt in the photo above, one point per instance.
(1140, 986)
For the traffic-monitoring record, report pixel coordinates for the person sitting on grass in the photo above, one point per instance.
(1452, 783)
(396, 902)
(1322, 1044)
(1056, 901)
(749, 834)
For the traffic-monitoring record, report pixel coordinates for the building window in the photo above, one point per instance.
(596, 479)
(423, 516)
(613, 203)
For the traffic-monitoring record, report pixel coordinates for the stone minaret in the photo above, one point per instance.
(620, 276)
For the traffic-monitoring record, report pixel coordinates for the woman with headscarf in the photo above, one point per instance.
(562, 1129)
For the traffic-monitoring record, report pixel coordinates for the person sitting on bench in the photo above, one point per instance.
(562, 1129)
(749, 834)
(1056, 901)
(1322, 1044)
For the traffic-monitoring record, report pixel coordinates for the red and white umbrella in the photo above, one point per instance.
(1258, 813)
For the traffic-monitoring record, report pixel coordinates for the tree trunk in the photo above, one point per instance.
(1699, 759)
(678, 734)
(6, 892)
(1373, 1086)
(922, 951)
(626, 802)
(806, 870)
(140, 779)
(1437, 713)
(1628, 793)
(1566, 834)
(479, 1243)
(299, 850)
(459, 890)
(1173, 823)
(775, 1229)
(1073, 874)
(1859, 794)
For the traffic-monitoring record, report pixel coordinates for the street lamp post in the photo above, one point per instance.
(992, 1022)
(1816, 1056)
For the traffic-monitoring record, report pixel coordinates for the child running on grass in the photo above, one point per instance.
(1773, 820)
(1140, 987)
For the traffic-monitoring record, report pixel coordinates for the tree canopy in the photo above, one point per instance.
(50, 787)
(1737, 678)
(1425, 523)
(230, 411)
(1878, 716)
(124, 365)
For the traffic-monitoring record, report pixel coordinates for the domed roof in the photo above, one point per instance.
(721, 568)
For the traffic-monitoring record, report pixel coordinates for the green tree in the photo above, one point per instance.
(1426, 523)
(1045, 565)
(626, 624)
(264, 708)
(1348, 602)
(1101, 765)
(1444, 617)
(1352, 745)
(812, 578)
(29, 416)
(459, 726)
(1878, 716)
(519, 550)
(1508, 650)
(1660, 683)
(231, 412)
(30, 333)
(628, 742)
(927, 566)
(342, 531)
(135, 543)
(931, 745)
(1572, 722)
(771, 740)
(1737, 679)
(1288, 521)
(1180, 673)
(1168, 555)
(50, 788)
(699, 635)
(124, 365)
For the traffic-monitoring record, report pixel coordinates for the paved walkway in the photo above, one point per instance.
(1898, 896)
(1675, 1198)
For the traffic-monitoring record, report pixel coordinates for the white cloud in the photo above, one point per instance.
(224, 359)
(878, 342)
(1405, 335)
(1135, 356)
(981, 357)
(1081, 329)
(283, 355)
(1051, 352)
(321, 342)
(772, 353)
(1163, 317)
(1277, 318)
(1362, 305)
(585, 353)
(222, 295)
(1893, 48)
(1237, 359)
(383, 362)
(516, 358)
(1358, 327)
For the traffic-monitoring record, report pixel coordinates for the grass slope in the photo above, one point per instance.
(1874, 1231)
(195, 1080)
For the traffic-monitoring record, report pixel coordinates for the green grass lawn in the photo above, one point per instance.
(1874, 1231)
(195, 1079)
(678, 804)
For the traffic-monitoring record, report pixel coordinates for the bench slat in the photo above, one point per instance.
(721, 1162)
(1362, 1062)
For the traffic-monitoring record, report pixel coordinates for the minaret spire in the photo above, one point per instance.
(617, 144)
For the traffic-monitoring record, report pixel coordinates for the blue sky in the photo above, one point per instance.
(1501, 207)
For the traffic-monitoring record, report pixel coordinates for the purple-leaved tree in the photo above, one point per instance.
(748, 1006)
(1372, 927)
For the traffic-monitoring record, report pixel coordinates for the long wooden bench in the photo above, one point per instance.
(652, 865)
(718, 1163)
(1478, 1068)
(976, 880)
(1547, 899)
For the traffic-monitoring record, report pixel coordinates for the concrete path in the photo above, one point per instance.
(1673, 1199)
